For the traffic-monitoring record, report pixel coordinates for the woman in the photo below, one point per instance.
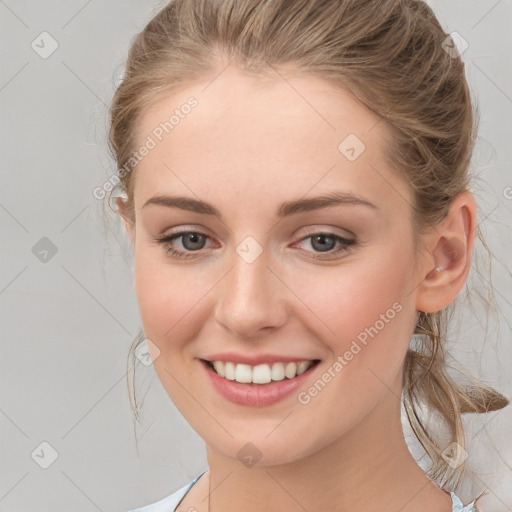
(295, 186)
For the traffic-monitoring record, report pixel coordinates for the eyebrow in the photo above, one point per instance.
(286, 209)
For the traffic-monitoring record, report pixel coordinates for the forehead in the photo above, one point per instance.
(246, 134)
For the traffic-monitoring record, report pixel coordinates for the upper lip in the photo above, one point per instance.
(254, 360)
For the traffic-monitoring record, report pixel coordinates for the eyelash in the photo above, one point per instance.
(346, 244)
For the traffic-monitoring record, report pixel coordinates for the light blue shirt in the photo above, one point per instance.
(170, 503)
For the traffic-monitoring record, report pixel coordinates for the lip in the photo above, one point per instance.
(255, 395)
(254, 360)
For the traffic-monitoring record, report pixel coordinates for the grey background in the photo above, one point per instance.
(68, 316)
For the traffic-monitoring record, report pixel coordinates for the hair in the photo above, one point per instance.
(390, 55)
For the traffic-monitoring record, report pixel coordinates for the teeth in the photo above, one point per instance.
(277, 371)
(229, 370)
(243, 373)
(219, 368)
(260, 374)
(302, 367)
(290, 370)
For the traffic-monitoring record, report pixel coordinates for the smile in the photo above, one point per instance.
(258, 385)
(261, 373)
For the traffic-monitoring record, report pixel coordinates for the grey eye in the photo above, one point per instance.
(192, 241)
(323, 242)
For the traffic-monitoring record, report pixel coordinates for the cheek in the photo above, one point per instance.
(367, 309)
(370, 316)
(166, 295)
(173, 304)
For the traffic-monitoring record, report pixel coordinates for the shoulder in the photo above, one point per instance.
(169, 503)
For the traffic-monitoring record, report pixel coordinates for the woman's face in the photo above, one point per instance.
(266, 275)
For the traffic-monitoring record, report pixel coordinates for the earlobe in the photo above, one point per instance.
(449, 256)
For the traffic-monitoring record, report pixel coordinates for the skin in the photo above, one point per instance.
(250, 145)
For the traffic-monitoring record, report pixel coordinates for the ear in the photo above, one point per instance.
(448, 256)
(128, 224)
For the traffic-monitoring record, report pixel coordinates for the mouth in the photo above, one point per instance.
(260, 385)
(261, 374)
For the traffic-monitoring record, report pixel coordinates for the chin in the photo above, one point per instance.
(261, 450)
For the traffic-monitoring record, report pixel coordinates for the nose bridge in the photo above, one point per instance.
(250, 297)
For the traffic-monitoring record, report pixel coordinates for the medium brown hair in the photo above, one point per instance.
(390, 55)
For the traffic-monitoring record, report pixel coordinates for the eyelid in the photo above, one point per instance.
(175, 235)
(310, 231)
(331, 230)
(346, 245)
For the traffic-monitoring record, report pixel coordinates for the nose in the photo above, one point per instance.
(251, 299)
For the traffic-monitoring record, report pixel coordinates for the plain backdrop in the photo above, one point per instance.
(68, 307)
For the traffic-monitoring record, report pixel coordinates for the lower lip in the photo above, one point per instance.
(255, 395)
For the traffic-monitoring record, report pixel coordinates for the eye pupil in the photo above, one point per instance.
(323, 246)
(195, 238)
